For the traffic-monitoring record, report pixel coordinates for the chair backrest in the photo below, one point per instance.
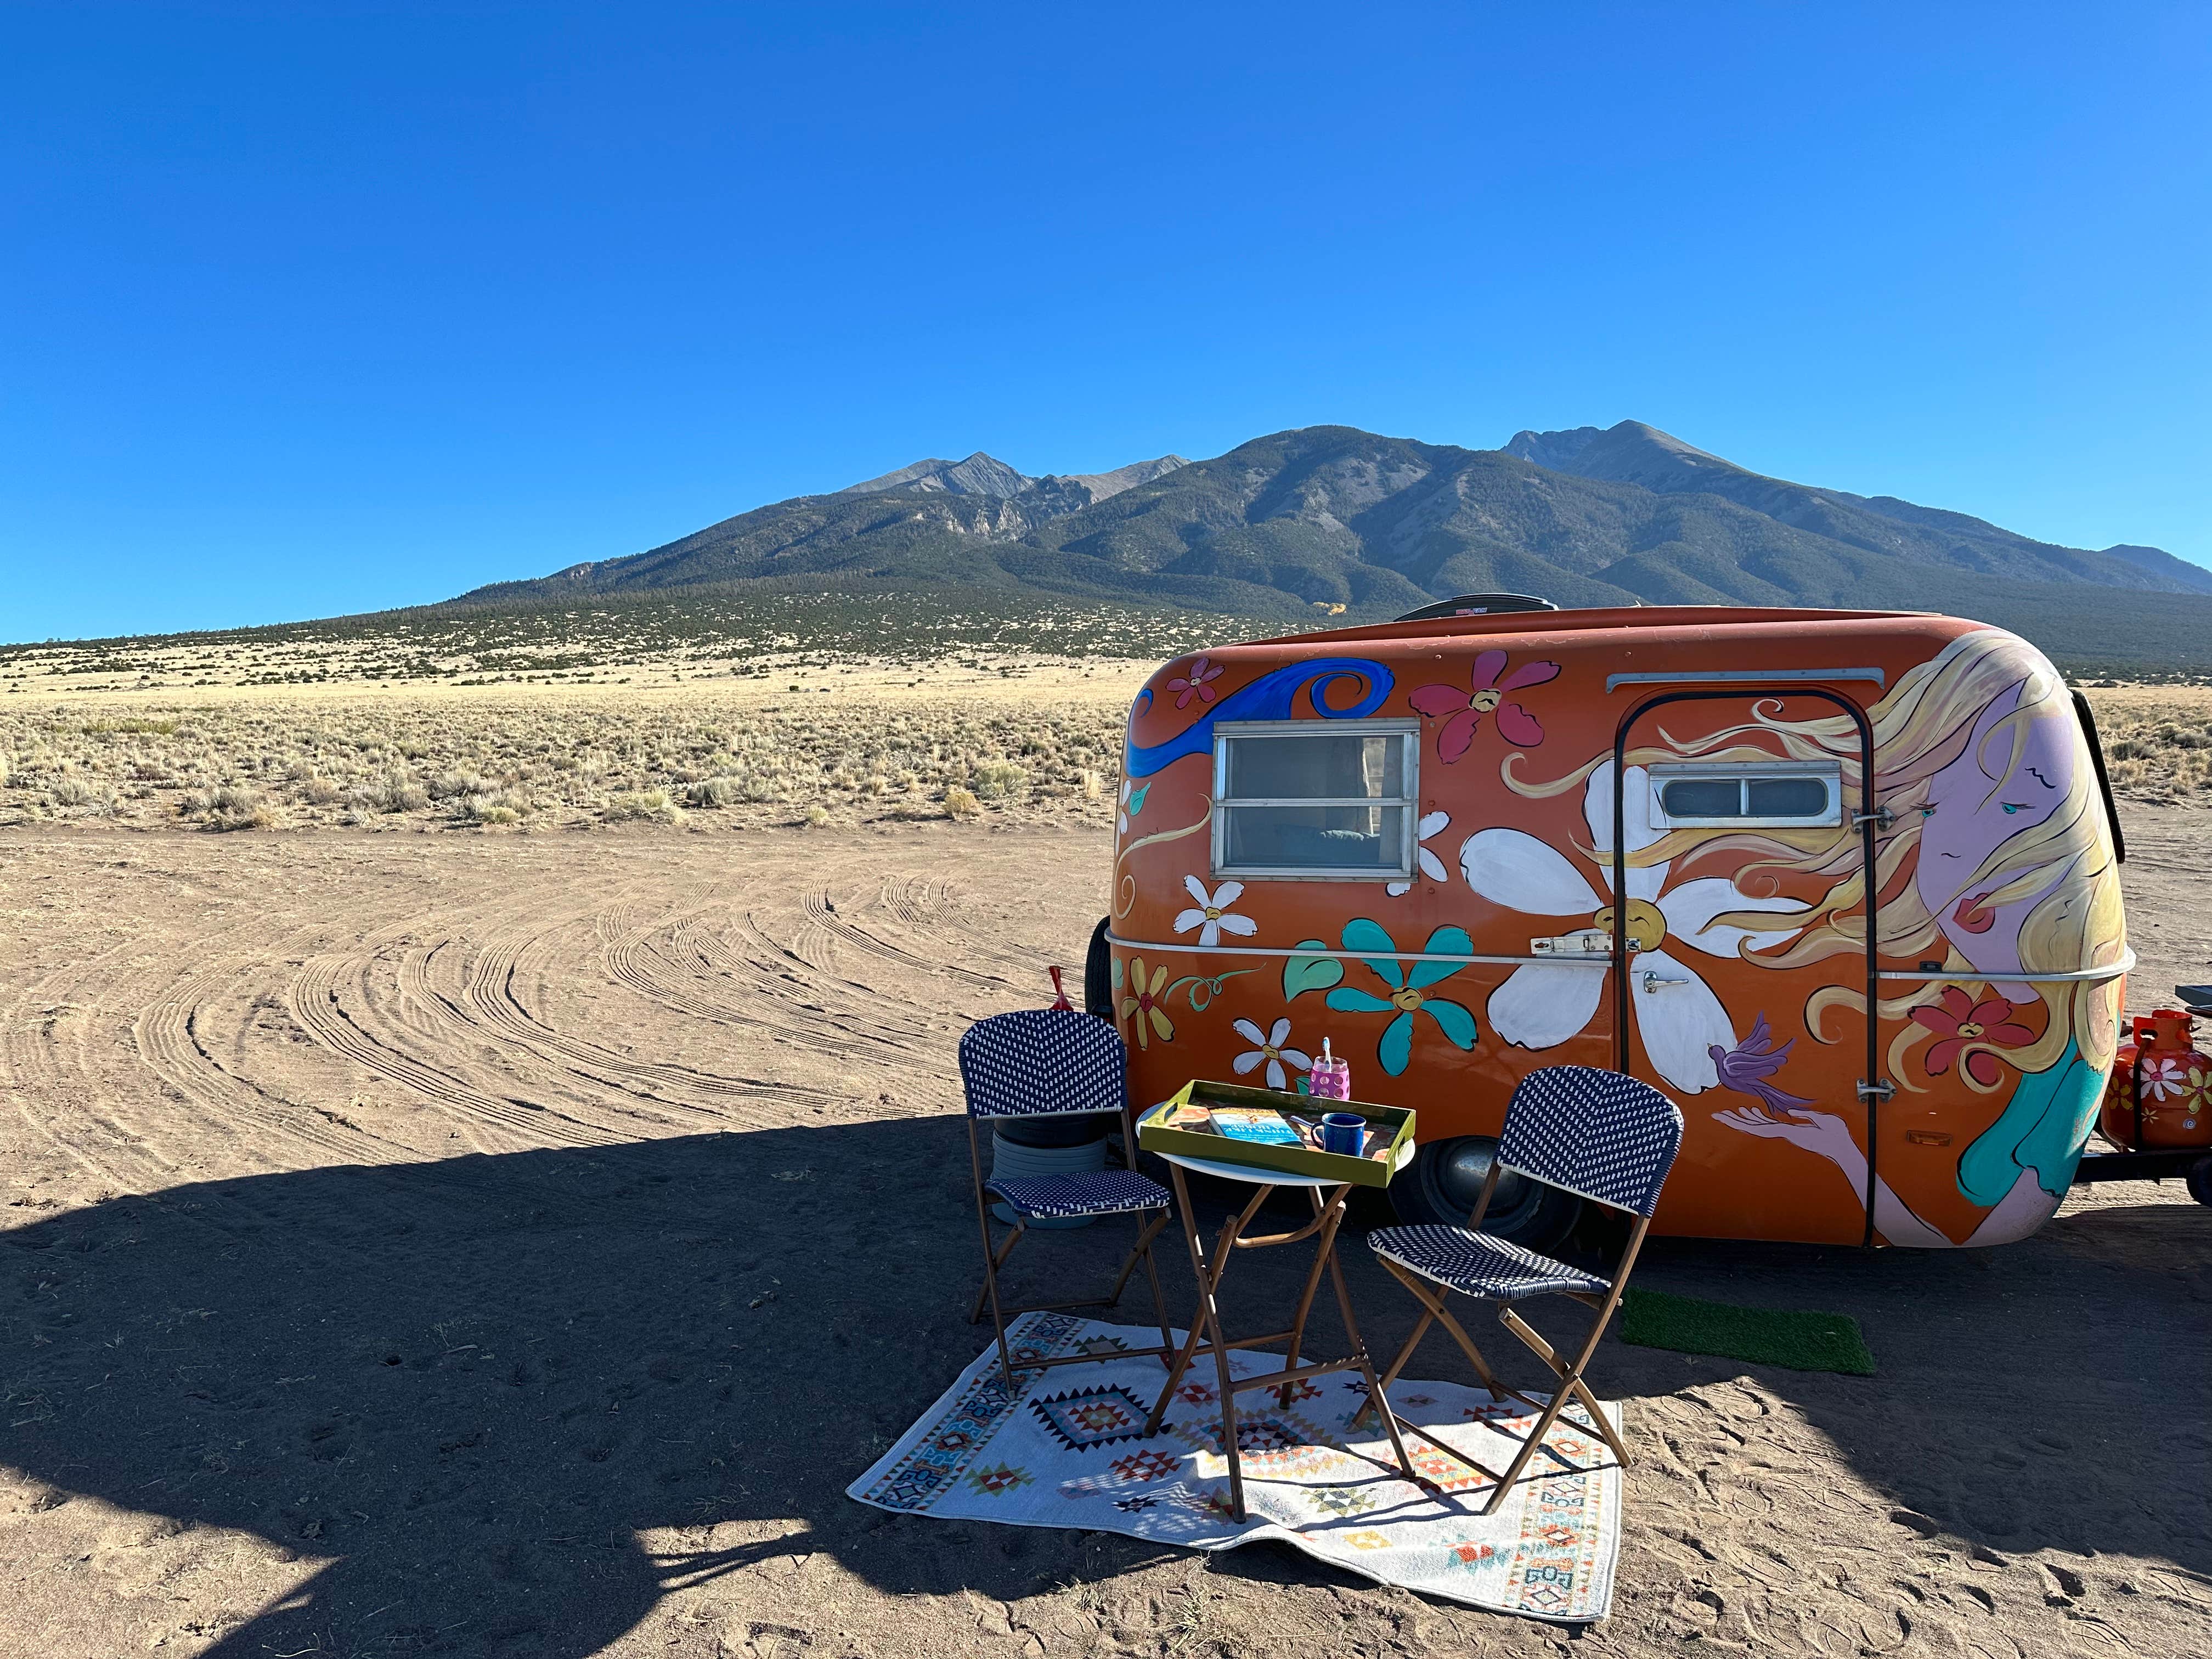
(1043, 1062)
(1598, 1133)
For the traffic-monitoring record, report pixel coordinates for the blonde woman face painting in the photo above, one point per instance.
(2013, 773)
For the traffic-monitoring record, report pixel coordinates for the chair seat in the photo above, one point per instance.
(1477, 1265)
(1103, 1192)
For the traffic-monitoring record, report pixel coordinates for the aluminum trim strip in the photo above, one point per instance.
(2077, 976)
(1346, 956)
(2080, 975)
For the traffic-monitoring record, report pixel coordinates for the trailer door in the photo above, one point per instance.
(1727, 1017)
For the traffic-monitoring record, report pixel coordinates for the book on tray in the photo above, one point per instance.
(1264, 1127)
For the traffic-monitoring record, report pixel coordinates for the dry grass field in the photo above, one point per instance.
(435, 1231)
(1019, 738)
(1040, 741)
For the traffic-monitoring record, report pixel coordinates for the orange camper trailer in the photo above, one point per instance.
(1844, 884)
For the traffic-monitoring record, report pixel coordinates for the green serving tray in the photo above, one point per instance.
(1154, 1135)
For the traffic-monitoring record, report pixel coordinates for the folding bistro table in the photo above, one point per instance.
(1265, 1168)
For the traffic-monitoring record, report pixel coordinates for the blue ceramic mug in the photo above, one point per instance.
(1340, 1133)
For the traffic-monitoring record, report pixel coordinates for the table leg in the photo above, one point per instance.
(1376, 1397)
(1329, 1222)
(1207, 1278)
(1208, 1323)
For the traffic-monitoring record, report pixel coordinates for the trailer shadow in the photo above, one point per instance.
(467, 1388)
(2050, 1394)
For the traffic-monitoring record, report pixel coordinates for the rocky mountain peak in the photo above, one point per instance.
(979, 475)
(1554, 450)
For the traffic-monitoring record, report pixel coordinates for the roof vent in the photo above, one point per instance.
(1477, 604)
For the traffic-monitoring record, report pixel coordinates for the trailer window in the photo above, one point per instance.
(1770, 795)
(1299, 798)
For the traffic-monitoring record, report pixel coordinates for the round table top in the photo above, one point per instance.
(1258, 1177)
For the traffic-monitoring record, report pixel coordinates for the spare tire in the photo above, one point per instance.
(1099, 974)
(1444, 1179)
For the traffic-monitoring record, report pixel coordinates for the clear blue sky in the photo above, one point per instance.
(316, 308)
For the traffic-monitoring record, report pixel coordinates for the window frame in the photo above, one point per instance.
(1662, 773)
(1408, 732)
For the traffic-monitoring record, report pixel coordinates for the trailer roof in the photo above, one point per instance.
(1662, 618)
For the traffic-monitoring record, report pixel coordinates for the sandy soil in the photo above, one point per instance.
(512, 1244)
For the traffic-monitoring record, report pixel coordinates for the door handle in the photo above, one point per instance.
(1653, 982)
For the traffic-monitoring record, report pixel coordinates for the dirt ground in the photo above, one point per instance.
(512, 1244)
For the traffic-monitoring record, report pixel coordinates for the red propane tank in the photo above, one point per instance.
(2176, 1085)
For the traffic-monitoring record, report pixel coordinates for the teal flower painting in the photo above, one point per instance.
(1409, 993)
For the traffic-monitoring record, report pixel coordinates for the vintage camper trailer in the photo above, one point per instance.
(1843, 884)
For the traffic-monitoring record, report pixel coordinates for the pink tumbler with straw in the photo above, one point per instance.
(1330, 1077)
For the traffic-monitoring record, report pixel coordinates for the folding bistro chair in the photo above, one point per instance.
(1045, 1062)
(1599, 1134)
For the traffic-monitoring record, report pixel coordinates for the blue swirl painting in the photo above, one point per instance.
(1270, 697)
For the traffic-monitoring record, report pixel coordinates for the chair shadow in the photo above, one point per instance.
(467, 1388)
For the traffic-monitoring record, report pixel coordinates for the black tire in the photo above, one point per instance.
(1442, 1183)
(2200, 1180)
(1098, 975)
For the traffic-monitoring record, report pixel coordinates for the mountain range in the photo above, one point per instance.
(1331, 516)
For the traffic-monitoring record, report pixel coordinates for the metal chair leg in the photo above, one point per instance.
(1145, 1233)
(1433, 1311)
(976, 1313)
(1529, 1448)
(1159, 1302)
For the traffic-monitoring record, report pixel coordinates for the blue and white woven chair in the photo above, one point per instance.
(1045, 1062)
(1599, 1134)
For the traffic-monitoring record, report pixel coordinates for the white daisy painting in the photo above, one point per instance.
(1210, 914)
(1543, 1004)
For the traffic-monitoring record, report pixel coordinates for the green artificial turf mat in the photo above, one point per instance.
(1803, 1342)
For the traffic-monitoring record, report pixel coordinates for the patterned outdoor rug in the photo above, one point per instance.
(1066, 1449)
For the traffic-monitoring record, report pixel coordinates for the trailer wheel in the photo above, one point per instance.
(2200, 1180)
(1442, 1183)
(1098, 975)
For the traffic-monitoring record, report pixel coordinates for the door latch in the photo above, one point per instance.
(1652, 981)
(1881, 817)
(1878, 1090)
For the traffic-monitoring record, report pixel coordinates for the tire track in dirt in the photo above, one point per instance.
(123, 988)
(491, 995)
(697, 971)
(492, 1122)
(821, 913)
(279, 1004)
(39, 1049)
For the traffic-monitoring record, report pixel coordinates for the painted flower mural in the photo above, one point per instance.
(1272, 1049)
(1145, 1003)
(1543, 1004)
(1461, 711)
(1210, 913)
(1196, 681)
(1961, 1022)
(1132, 802)
(1409, 992)
(1431, 824)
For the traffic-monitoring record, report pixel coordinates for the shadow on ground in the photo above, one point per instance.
(470, 1386)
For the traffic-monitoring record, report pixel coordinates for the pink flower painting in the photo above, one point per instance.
(1960, 1022)
(1195, 683)
(1461, 711)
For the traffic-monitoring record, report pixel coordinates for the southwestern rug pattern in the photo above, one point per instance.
(1066, 1448)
